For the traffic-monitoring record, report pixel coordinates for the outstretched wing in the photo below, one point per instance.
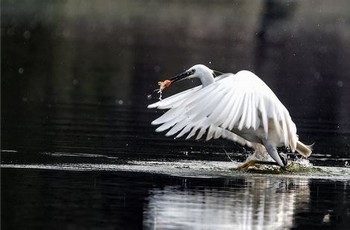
(240, 101)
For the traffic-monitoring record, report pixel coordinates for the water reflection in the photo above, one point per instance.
(243, 204)
(98, 199)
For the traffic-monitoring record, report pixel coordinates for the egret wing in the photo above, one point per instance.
(253, 105)
(232, 102)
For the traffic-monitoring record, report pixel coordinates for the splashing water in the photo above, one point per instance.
(159, 91)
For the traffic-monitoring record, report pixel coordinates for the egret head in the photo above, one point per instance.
(200, 71)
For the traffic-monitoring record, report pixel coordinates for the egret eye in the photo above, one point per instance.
(192, 71)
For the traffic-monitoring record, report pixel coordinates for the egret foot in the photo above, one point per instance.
(251, 163)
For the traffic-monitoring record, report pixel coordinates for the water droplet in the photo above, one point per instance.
(149, 96)
(326, 218)
(160, 94)
(340, 84)
(10, 31)
(21, 70)
(318, 76)
(75, 82)
(157, 68)
(119, 102)
(27, 34)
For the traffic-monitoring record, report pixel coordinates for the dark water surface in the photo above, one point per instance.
(76, 78)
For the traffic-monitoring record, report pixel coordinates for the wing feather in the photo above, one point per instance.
(210, 133)
(169, 115)
(179, 126)
(254, 118)
(244, 112)
(216, 117)
(236, 112)
(168, 102)
(264, 118)
(219, 116)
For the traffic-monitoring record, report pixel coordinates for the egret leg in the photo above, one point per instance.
(268, 148)
(272, 151)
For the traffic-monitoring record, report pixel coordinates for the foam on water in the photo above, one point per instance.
(301, 168)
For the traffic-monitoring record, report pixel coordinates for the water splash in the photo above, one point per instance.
(159, 91)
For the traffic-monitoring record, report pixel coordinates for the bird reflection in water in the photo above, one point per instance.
(258, 203)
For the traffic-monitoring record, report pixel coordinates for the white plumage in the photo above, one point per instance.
(239, 107)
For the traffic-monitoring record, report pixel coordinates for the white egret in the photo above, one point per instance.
(239, 107)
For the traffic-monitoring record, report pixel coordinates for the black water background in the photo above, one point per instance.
(76, 77)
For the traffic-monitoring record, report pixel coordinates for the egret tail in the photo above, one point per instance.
(303, 149)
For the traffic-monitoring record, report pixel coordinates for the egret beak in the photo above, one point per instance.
(181, 76)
